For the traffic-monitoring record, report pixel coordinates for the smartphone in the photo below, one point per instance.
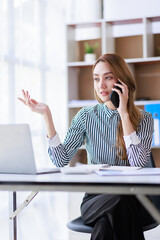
(114, 97)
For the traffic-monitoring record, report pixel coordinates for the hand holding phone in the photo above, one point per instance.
(114, 97)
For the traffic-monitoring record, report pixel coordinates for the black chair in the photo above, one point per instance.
(78, 224)
(151, 162)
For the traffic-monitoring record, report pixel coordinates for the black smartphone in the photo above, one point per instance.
(114, 97)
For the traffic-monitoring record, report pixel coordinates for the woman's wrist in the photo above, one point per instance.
(125, 117)
(47, 113)
(49, 122)
(126, 124)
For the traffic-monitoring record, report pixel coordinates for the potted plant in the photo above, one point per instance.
(90, 55)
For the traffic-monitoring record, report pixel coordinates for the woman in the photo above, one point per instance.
(117, 136)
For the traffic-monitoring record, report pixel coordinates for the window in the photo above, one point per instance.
(32, 57)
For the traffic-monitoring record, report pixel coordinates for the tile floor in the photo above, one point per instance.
(153, 234)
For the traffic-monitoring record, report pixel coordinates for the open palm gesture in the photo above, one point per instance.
(35, 106)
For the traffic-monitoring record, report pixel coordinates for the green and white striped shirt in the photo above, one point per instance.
(96, 126)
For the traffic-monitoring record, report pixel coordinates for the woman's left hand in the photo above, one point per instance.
(123, 97)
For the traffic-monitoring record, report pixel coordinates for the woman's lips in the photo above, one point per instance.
(104, 93)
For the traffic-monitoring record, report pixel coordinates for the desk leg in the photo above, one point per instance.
(13, 222)
(147, 203)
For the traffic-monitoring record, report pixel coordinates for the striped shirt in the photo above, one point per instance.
(96, 127)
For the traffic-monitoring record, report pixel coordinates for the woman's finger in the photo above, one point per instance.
(33, 101)
(22, 100)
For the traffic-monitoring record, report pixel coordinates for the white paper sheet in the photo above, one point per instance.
(131, 172)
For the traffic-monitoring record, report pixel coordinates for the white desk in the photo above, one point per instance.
(140, 186)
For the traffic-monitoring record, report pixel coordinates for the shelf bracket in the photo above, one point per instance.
(24, 204)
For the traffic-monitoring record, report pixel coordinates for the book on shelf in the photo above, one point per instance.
(154, 109)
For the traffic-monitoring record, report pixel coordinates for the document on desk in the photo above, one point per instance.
(116, 170)
(128, 171)
(82, 169)
(101, 169)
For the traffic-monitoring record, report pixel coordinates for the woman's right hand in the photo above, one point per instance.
(35, 106)
(42, 109)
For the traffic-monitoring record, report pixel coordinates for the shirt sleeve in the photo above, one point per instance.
(138, 144)
(54, 141)
(61, 153)
(131, 139)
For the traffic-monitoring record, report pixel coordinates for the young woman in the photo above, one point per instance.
(117, 136)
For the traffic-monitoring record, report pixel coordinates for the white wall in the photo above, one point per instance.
(126, 9)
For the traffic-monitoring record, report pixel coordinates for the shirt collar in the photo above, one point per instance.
(110, 112)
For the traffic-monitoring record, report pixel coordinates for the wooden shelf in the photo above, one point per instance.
(132, 60)
(143, 60)
(147, 102)
(87, 103)
(79, 64)
(81, 103)
(136, 40)
(85, 24)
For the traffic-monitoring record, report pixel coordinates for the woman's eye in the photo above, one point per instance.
(96, 79)
(109, 77)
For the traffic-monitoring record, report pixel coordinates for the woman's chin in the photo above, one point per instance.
(104, 98)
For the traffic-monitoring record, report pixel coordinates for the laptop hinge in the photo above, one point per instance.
(24, 204)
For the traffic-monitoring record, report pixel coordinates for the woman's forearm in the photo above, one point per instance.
(51, 132)
(126, 124)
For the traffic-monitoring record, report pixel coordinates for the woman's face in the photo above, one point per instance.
(104, 80)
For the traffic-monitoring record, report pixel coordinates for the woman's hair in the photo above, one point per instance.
(121, 71)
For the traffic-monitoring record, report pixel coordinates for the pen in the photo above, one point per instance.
(105, 166)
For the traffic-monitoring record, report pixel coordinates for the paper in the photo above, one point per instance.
(86, 169)
(118, 168)
(137, 172)
(82, 169)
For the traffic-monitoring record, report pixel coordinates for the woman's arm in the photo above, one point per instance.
(138, 144)
(42, 109)
(59, 153)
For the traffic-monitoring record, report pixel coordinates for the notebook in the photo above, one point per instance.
(16, 151)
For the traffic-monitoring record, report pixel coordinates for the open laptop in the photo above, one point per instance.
(16, 151)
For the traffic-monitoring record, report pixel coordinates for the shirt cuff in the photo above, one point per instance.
(54, 141)
(131, 139)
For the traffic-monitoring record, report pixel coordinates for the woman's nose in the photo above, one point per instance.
(102, 83)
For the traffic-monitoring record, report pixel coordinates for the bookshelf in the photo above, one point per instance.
(137, 40)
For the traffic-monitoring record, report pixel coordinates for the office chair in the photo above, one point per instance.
(78, 224)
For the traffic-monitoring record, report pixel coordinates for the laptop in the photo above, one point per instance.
(16, 151)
